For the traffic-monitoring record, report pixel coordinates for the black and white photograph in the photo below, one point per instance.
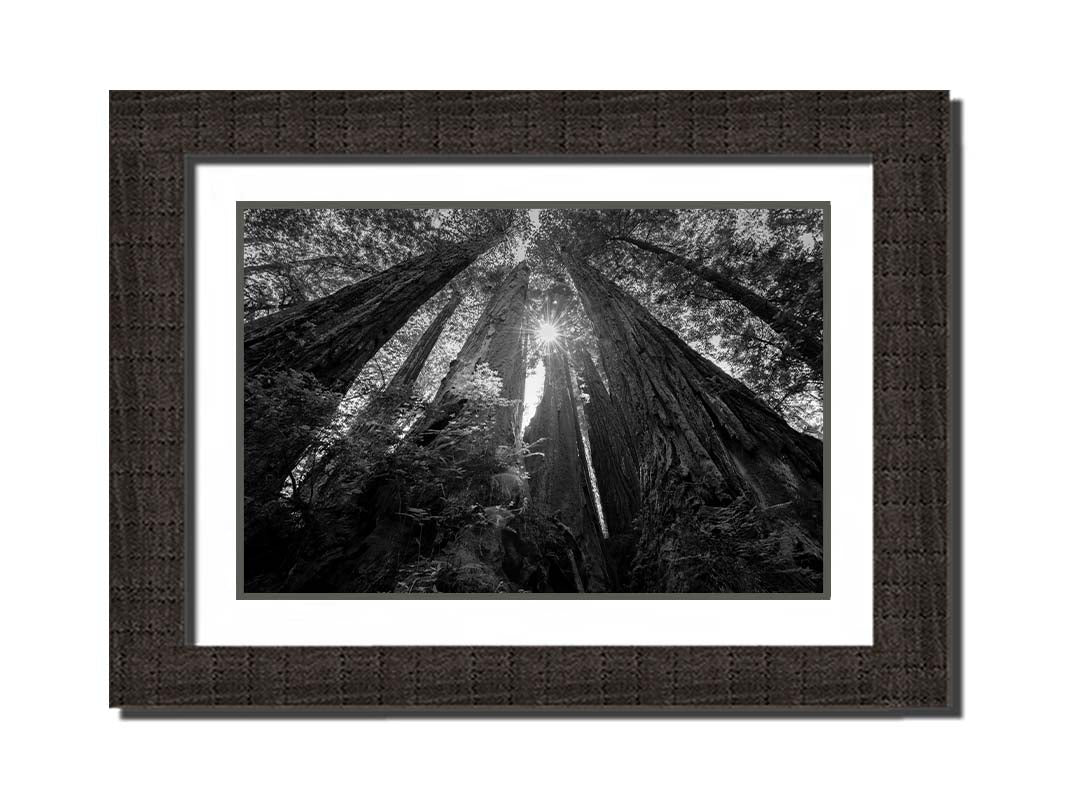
(540, 399)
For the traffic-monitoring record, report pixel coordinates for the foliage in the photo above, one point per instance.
(775, 252)
(281, 408)
(779, 255)
(293, 255)
(425, 498)
(732, 548)
(441, 483)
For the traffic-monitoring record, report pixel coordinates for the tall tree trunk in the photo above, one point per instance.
(614, 459)
(477, 557)
(559, 479)
(731, 496)
(399, 389)
(376, 534)
(498, 341)
(806, 343)
(383, 407)
(270, 309)
(332, 339)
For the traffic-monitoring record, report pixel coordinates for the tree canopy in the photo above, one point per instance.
(384, 347)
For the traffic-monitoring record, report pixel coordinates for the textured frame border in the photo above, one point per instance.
(913, 666)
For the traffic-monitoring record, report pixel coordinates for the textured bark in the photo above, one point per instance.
(613, 455)
(383, 405)
(376, 536)
(559, 479)
(497, 341)
(807, 344)
(515, 548)
(731, 496)
(334, 337)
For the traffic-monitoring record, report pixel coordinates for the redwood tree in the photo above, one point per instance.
(382, 529)
(498, 343)
(382, 409)
(382, 406)
(798, 337)
(730, 494)
(329, 341)
(559, 472)
(613, 455)
(333, 337)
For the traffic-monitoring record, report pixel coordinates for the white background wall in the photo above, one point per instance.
(62, 741)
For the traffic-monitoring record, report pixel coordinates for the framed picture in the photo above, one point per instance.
(537, 400)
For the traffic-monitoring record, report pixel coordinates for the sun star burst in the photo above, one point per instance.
(547, 333)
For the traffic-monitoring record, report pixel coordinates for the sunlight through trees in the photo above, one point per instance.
(562, 400)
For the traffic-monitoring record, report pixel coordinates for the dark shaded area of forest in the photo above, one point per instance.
(515, 400)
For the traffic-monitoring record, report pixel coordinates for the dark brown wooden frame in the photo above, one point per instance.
(913, 666)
